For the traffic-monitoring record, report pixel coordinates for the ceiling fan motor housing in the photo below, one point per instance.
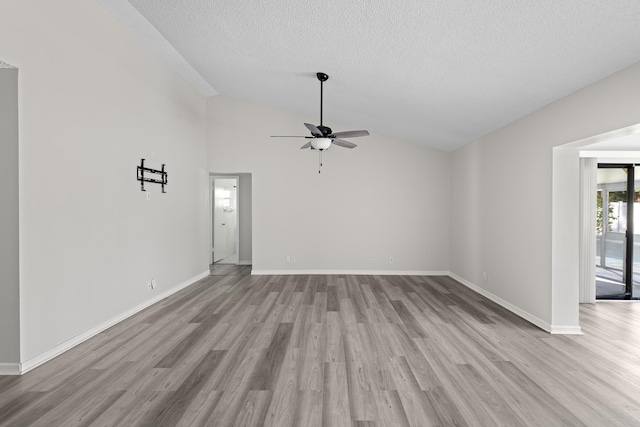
(325, 130)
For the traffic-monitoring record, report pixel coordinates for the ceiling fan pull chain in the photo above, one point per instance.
(320, 160)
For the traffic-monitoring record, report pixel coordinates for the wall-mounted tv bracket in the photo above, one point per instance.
(141, 171)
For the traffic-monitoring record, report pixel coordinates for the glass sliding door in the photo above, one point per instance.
(617, 263)
(635, 282)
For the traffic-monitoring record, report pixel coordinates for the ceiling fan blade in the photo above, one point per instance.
(343, 143)
(290, 136)
(314, 130)
(307, 145)
(351, 133)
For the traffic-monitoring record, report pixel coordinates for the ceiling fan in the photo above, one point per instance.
(322, 137)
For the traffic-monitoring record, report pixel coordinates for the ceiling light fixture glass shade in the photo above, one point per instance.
(321, 143)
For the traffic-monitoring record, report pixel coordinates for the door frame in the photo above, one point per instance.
(629, 234)
(212, 178)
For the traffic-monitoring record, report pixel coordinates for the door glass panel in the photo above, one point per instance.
(611, 227)
(636, 234)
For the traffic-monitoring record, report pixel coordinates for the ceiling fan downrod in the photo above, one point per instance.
(323, 78)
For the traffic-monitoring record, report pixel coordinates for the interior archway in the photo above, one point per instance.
(566, 212)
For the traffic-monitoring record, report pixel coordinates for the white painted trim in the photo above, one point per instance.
(10, 369)
(626, 155)
(245, 262)
(566, 330)
(545, 326)
(36, 361)
(565, 236)
(350, 272)
(584, 143)
(512, 308)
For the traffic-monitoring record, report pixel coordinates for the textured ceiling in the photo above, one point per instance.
(439, 73)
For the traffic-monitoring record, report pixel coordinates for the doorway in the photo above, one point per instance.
(225, 241)
(617, 212)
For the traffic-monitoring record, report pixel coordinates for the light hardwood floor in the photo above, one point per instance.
(337, 350)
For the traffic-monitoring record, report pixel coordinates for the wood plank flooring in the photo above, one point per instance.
(218, 269)
(239, 350)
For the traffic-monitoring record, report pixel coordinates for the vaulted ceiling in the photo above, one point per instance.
(440, 73)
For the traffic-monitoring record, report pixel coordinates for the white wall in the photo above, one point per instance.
(506, 229)
(382, 199)
(9, 243)
(93, 101)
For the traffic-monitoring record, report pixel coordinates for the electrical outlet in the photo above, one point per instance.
(148, 195)
(288, 258)
(391, 260)
(485, 276)
(149, 284)
(293, 258)
(153, 283)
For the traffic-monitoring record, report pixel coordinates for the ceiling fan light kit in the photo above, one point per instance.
(320, 143)
(322, 137)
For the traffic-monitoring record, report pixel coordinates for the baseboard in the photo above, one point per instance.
(512, 308)
(22, 368)
(36, 361)
(245, 262)
(545, 326)
(10, 369)
(566, 330)
(349, 272)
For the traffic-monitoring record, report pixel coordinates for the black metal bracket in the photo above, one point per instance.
(141, 171)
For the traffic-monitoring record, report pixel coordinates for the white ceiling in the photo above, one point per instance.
(439, 73)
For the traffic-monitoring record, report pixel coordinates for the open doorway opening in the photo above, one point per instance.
(225, 248)
(573, 219)
(618, 210)
(609, 244)
(231, 223)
